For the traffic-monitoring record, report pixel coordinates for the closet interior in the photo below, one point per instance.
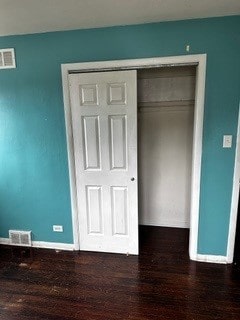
(165, 135)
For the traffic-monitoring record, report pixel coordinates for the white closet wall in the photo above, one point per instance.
(165, 127)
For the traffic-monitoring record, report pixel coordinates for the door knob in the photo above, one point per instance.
(132, 179)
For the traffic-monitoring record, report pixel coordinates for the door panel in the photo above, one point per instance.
(119, 210)
(94, 209)
(118, 143)
(104, 120)
(91, 142)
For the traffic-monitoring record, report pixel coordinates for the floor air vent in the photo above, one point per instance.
(20, 238)
(7, 59)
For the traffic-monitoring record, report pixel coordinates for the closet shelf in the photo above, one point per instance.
(165, 106)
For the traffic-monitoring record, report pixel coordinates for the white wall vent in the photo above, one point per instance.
(7, 59)
(20, 238)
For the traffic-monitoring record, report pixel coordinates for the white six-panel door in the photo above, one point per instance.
(104, 120)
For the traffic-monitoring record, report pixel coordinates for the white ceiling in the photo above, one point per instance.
(31, 16)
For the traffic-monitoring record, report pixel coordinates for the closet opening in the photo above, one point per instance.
(166, 98)
(83, 85)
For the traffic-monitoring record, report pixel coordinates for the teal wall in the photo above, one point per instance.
(34, 183)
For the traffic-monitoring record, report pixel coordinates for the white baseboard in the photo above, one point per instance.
(170, 224)
(211, 258)
(53, 245)
(70, 247)
(4, 241)
(45, 245)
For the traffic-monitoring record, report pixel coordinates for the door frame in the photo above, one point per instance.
(235, 199)
(97, 66)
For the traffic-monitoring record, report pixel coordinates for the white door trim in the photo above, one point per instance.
(200, 61)
(235, 197)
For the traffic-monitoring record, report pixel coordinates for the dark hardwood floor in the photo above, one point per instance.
(159, 284)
